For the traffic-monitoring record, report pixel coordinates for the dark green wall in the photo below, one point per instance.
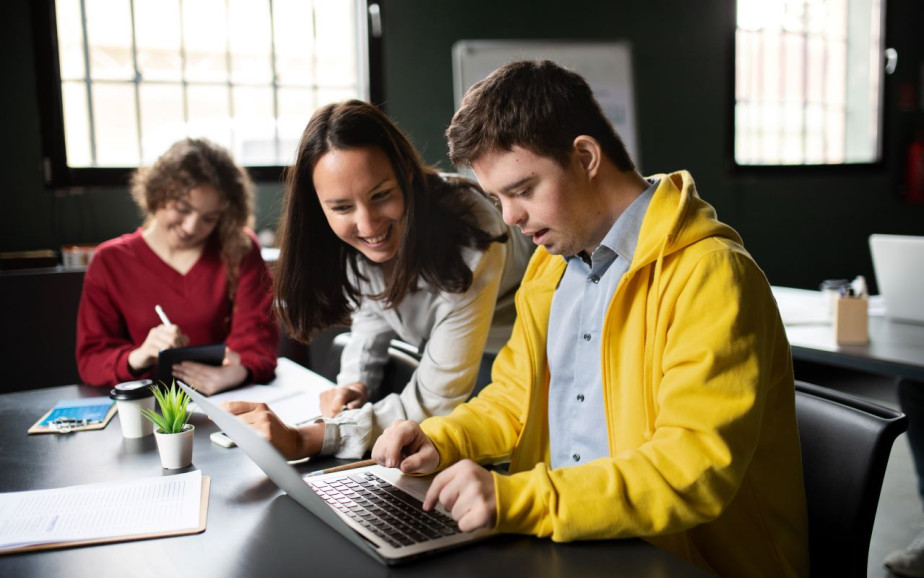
(801, 229)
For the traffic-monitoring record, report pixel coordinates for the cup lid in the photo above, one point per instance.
(833, 284)
(139, 389)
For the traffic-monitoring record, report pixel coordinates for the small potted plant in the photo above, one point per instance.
(173, 434)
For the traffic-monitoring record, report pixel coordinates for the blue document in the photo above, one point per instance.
(87, 410)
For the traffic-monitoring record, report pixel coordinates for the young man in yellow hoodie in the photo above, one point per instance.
(647, 389)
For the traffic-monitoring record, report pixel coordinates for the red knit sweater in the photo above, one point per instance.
(126, 279)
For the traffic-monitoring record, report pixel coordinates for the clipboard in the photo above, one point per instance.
(203, 516)
(70, 415)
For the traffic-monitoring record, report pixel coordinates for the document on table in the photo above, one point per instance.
(104, 512)
(807, 307)
(294, 395)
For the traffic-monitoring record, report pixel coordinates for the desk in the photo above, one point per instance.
(254, 529)
(894, 349)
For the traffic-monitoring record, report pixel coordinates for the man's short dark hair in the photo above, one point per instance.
(537, 105)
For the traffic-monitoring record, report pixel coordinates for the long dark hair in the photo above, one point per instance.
(313, 290)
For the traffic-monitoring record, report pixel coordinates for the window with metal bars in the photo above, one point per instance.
(124, 79)
(808, 82)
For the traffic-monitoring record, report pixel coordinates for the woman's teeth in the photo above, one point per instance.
(374, 240)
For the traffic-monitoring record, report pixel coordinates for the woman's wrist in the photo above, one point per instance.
(311, 439)
(138, 361)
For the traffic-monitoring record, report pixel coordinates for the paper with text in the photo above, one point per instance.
(104, 510)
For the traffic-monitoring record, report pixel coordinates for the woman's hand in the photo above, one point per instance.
(405, 446)
(293, 443)
(208, 379)
(337, 399)
(159, 338)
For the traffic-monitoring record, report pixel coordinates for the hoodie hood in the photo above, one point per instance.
(677, 217)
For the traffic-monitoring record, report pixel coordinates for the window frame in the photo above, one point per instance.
(798, 170)
(57, 174)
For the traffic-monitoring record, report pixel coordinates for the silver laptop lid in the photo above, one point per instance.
(898, 261)
(275, 466)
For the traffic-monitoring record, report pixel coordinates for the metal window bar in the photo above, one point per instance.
(277, 146)
(314, 51)
(184, 63)
(88, 80)
(229, 63)
(136, 81)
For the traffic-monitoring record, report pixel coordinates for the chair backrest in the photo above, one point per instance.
(846, 443)
(402, 363)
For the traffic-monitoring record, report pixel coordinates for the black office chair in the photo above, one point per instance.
(846, 443)
(402, 363)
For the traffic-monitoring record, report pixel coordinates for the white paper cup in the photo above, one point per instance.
(130, 398)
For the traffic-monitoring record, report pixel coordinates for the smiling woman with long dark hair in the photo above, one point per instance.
(372, 237)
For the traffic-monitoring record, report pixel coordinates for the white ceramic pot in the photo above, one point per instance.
(175, 449)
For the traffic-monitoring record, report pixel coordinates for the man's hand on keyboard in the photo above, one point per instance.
(466, 490)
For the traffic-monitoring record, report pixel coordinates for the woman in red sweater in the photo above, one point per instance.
(195, 257)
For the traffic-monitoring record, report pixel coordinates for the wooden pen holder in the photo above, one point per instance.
(851, 321)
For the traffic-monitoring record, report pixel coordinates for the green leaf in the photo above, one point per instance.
(173, 403)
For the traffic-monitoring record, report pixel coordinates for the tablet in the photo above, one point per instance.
(207, 354)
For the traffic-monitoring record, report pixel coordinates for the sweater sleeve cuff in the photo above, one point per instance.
(441, 435)
(331, 439)
(124, 370)
(520, 510)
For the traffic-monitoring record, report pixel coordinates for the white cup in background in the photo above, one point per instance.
(130, 398)
(832, 289)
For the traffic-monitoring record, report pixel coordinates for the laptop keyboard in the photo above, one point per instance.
(390, 513)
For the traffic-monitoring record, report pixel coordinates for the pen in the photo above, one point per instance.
(353, 466)
(163, 316)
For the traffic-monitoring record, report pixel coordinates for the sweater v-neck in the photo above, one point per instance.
(204, 265)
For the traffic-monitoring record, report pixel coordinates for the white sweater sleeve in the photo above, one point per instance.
(448, 368)
(364, 357)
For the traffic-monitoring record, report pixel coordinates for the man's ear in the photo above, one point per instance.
(589, 154)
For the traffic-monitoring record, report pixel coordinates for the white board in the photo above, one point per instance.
(607, 67)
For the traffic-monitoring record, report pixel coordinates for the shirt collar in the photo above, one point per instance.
(622, 238)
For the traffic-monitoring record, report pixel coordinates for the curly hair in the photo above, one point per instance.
(191, 163)
(312, 284)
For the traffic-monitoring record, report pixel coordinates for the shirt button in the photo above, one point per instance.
(580, 397)
(576, 457)
(587, 337)
(594, 279)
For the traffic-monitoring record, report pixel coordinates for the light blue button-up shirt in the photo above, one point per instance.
(577, 419)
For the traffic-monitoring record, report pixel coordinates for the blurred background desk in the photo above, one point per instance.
(894, 349)
(253, 529)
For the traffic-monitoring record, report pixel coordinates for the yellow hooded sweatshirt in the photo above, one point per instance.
(697, 376)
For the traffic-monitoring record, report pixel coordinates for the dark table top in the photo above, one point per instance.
(253, 528)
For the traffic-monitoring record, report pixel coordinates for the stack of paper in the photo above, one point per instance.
(104, 512)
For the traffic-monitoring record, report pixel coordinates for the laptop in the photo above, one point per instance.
(377, 509)
(898, 261)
